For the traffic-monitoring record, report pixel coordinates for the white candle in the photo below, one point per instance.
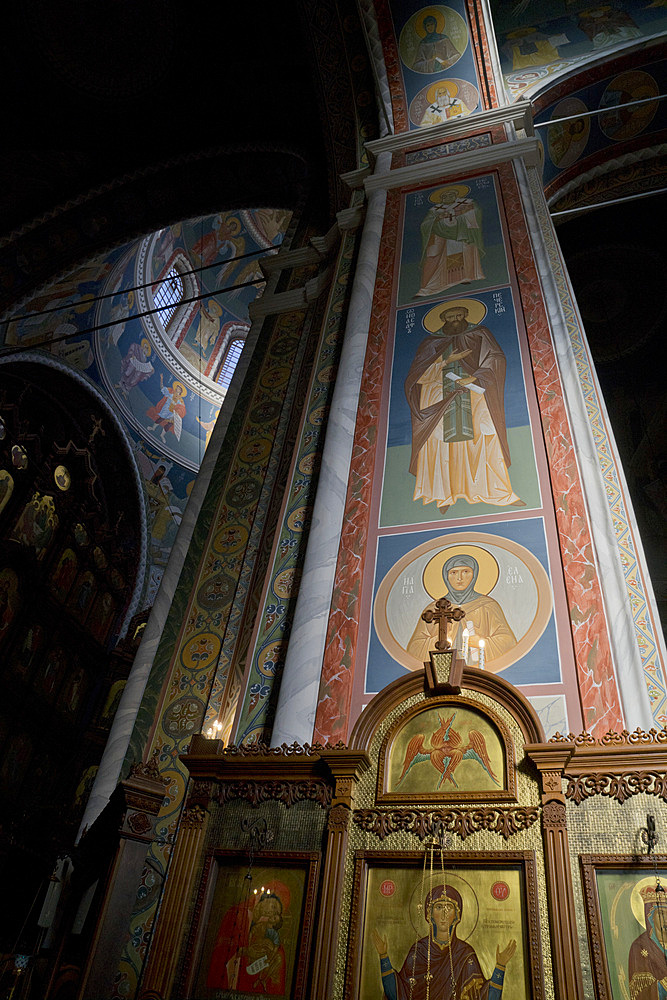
(464, 651)
(481, 654)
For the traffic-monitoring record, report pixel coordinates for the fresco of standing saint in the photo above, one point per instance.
(455, 389)
(452, 241)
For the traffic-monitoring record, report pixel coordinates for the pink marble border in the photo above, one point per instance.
(392, 62)
(333, 709)
(479, 36)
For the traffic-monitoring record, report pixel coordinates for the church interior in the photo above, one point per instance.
(333, 468)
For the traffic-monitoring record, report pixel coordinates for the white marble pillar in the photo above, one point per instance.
(299, 686)
(123, 723)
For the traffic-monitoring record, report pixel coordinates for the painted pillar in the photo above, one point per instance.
(297, 700)
(463, 227)
(118, 742)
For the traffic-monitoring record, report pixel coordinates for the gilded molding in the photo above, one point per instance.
(611, 739)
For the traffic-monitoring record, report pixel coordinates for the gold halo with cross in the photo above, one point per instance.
(487, 577)
(433, 319)
(461, 189)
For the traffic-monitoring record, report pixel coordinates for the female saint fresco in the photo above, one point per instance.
(460, 573)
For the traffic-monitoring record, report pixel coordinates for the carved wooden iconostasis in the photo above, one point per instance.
(447, 841)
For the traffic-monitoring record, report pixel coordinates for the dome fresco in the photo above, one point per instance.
(158, 366)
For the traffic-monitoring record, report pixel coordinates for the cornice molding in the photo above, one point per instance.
(456, 165)
(519, 114)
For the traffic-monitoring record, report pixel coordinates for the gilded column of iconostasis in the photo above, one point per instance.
(465, 482)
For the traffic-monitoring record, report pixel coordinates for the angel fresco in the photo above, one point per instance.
(447, 750)
(169, 412)
(135, 366)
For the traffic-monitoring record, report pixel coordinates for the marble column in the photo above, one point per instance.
(123, 723)
(297, 699)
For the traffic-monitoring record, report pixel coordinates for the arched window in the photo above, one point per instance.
(232, 355)
(167, 295)
(174, 296)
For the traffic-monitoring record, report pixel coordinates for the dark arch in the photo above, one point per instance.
(139, 203)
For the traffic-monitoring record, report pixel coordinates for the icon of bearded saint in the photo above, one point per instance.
(455, 389)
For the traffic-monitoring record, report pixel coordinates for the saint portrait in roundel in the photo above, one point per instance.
(433, 39)
(566, 140)
(442, 101)
(502, 588)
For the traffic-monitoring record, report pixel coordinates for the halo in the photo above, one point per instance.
(451, 88)
(461, 189)
(184, 391)
(214, 307)
(470, 915)
(85, 303)
(432, 321)
(487, 578)
(145, 343)
(636, 901)
(434, 12)
(130, 299)
(520, 32)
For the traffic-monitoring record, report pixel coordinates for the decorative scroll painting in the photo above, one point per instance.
(481, 910)
(436, 62)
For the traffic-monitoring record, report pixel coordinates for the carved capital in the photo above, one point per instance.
(339, 818)
(551, 781)
(194, 816)
(554, 816)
